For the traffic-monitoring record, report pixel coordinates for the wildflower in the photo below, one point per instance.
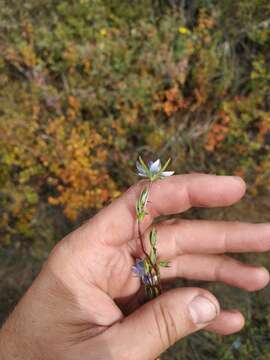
(140, 271)
(183, 30)
(138, 268)
(147, 269)
(154, 170)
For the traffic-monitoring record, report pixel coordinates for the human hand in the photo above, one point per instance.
(86, 303)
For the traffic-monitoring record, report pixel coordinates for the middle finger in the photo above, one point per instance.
(210, 237)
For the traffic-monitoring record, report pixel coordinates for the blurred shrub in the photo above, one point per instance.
(86, 85)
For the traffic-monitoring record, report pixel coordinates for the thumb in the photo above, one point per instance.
(158, 324)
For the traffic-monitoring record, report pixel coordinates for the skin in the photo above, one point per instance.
(86, 303)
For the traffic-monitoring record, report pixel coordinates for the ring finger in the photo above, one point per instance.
(219, 268)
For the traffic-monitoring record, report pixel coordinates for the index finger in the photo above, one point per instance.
(116, 223)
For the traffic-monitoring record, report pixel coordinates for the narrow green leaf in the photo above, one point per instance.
(153, 256)
(140, 205)
(147, 266)
(153, 237)
(144, 196)
(164, 263)
(165, 166)
(144, 166)
(153, 243)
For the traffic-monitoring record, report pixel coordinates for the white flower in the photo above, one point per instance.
(154, 166)
(140, 170)
(154, 170)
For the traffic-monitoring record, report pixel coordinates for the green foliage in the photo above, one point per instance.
(141, 205)
(153, 245)
(164, 263)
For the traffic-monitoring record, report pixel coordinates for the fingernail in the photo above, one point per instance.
(202, 310)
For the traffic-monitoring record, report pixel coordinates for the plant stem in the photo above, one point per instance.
(153, 266)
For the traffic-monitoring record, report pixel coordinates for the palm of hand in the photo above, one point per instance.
(99, 276)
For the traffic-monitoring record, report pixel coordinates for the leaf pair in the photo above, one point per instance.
(141, 204)
(153, 251)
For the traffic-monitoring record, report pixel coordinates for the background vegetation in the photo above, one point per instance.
(86, 85)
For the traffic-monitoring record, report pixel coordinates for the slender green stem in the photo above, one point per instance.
(155, 288)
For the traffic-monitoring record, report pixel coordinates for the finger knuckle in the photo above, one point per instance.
(222, 263)
(165, 324)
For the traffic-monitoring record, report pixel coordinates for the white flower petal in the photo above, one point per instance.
(140, 169)
(141, 174)
(155, 166)
(167, 173)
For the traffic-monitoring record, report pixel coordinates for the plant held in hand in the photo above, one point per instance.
(148, 267)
